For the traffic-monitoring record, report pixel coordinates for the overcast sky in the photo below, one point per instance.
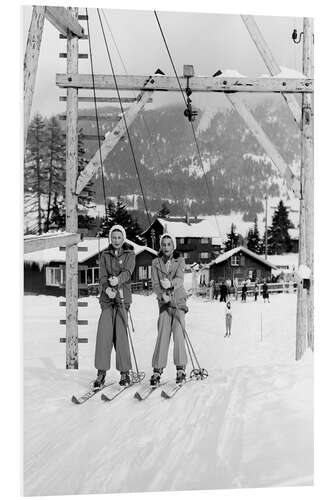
(208, 41)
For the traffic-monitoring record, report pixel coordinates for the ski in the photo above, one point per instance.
(173, 388)
(79, 400)
(146, 391)
(116, 390)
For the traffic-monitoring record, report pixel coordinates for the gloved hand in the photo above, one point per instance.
(165, 283)
(110, 293)
(166, 298)
(113, 281)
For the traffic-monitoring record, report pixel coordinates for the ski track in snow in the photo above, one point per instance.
(249, 424)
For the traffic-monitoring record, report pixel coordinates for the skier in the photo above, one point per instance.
(255, 292)
(244, 292)
(265, 294)
(223, 292)
(228, 319)
(116, 267)
(168, 284)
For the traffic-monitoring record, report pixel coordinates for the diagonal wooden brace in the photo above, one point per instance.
(112, 139)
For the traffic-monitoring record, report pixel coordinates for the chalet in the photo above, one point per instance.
(242, 264)
(44, 271)
(194, 238)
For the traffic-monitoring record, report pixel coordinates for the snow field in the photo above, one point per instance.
(249, 424)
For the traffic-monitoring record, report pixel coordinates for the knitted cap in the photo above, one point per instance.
(172, 238)
(117, 228)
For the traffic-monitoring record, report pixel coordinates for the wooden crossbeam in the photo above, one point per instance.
(63, 55)
(265, 142)
(63, 340)
(80, 304)
(64, 37)
(271, 63)
(109, 118)
(111, 139)
(63, 20)
(79, 249)
(115, 100)
(33, 243)
(79, 322)
(197, 83)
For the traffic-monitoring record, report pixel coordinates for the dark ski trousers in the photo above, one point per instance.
(112, 331)
(170, 321)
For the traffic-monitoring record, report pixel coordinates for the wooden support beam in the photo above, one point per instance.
(63, 55)
(305, 297)
(64, 37)
(80, 340)
(81, 322)
(114, 100)
(265, 142)
(72, 355)
(197, 83)
(81, 118)
(31, 61)
(63, 20)
(80, 304)
(34, 243)
(271, 63)
(111, 139)
(79, 249)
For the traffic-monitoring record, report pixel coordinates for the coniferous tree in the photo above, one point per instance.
(253, 238)
(35, 174)
(55, 166)
(164, 210)
(118, 214)
(278, 238)
(232, 239)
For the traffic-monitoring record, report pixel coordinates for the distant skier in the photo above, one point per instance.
(255, 292)
(265, 294)
(168, 284)
(228, 319)
(116, 267)
(244, 292)
(235, 283)
(216, 290)
(223, 292)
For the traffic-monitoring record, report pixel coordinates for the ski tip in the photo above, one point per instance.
(104, 398)
(137, 396)
(75, 400)
(165, 395)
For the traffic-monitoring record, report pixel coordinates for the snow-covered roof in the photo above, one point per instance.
(228, 254)
(203, 229)
(286, 259)
(94, 245)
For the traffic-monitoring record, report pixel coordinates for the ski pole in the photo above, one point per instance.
(138, 373)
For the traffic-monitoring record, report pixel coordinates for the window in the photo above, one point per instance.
(181, 241)
(186, 255)
(204, 240)
(92, 276)
(54, 276)
(204, 255)
(143, 272)
(235, 260)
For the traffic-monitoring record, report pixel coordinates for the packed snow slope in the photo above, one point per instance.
(249, 424)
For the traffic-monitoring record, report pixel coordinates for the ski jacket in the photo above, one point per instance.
(121, 266)
(174, 272)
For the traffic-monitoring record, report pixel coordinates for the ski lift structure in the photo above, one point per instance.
(67, 22)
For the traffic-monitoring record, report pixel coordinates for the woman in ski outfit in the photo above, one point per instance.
(228, 319)
(116, 267)
(168, 285)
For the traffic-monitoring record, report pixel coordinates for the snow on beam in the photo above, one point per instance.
(33, 243)
(63, 20)
(271, 63)
(198, 83)
(265, 142)
(111, 139)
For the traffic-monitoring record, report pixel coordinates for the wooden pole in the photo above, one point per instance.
(72, 361)
(307, 155)
(31, 61)
(266, 229)
(304, 322)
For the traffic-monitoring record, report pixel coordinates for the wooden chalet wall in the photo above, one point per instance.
(224, 270)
